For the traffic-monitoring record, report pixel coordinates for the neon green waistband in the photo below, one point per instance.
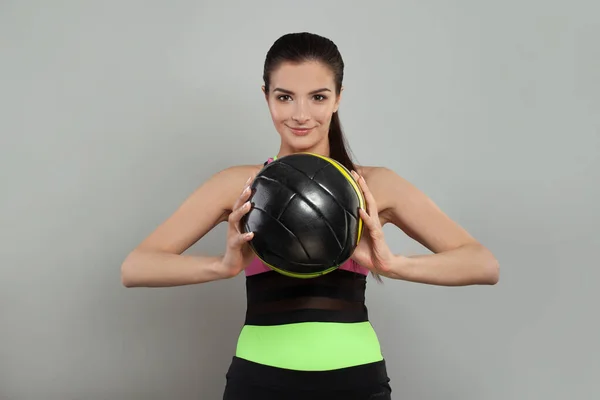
(310, 346)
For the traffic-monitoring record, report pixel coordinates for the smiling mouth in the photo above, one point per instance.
(300, 131)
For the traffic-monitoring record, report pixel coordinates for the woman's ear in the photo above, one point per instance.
(264, 90)
(338, 100)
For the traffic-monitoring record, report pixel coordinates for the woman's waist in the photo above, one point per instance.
(310, 346)
(244, 372)
(305, 309)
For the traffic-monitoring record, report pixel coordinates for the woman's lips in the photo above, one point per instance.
(300, 131)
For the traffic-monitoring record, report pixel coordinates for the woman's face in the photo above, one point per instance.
(301, 101)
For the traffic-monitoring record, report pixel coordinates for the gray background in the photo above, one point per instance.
(112, 112)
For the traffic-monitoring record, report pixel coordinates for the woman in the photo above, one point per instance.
(308, 338)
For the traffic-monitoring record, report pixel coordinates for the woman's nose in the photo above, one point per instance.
(301, 114)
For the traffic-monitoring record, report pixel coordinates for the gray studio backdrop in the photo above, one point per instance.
(113, 112)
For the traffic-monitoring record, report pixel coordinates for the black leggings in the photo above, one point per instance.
(236, 391)
(250, 381)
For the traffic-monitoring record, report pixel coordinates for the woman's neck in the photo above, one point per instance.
(320, 148)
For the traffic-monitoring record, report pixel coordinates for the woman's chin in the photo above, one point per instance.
(299, 145)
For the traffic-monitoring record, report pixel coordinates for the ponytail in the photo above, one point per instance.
(338, 150)
(338, 147)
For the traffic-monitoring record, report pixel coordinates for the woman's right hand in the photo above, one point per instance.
(238, 253)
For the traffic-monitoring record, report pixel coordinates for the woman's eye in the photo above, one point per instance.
(285, 97)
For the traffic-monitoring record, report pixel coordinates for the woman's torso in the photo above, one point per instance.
(307, 333)
(307, 324)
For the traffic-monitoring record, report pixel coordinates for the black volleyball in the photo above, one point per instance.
(304, 215)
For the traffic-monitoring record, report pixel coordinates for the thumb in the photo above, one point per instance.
(368, 222)
(245, 237)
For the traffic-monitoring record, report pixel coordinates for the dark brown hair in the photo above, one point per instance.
(304, 46)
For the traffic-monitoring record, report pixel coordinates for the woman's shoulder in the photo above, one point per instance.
(236, 175)
(376, 174)
(384, 183)
(239, 171)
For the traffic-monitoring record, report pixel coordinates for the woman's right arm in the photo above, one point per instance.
(158, 261)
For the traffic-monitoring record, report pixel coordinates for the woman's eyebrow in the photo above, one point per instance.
(290, 92)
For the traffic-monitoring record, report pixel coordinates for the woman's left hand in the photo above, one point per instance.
(372, 251)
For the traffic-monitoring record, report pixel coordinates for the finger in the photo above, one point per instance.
(244, 195)
(242, 199)
(236, 216)
(244, 237)
(239, 240)
(368, 221)
(370, 200)
(372, 225)
(356, 177)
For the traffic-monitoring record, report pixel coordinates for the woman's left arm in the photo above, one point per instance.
(457, 260)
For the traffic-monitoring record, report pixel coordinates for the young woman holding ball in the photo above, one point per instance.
(315, 343)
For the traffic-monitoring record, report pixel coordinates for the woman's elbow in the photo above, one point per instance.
(492, 270)
(127, 273)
